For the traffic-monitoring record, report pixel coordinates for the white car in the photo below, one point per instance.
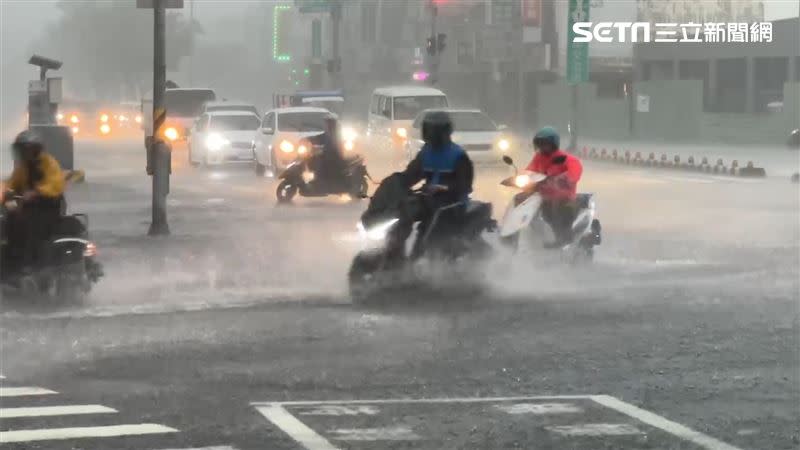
(278, 139)
(484, 141)
(223, 136)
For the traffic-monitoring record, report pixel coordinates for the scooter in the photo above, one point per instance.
(299, 178)
(69, 266)
(526, 217)
(454, 236)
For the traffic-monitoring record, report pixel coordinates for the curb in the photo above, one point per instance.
(675, 163)
(75, 176)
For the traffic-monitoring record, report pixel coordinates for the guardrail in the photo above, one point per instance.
(675, 163)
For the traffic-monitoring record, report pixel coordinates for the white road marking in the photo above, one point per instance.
(661, 423)
(215, 200)
(218, 447)
(595, 429)
(42, 411)
(540, 408)
(340, 410)
(24, 391)
(46, 434)
(296, 429)
(375, 434)
(424, 400)
(2, 377)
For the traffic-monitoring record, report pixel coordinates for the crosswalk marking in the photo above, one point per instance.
(46, 434)
(24, 391)
(218, 447)
(42, 411)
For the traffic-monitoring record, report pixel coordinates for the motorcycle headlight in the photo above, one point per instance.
(74, 119)
(401, 132)
(215, 142)
(105, 128)
(503, 145)
(171, 133)
(522, 180)
(349, 145)
(377, 232)
(286, 147)
(104, 118)
(349, 134)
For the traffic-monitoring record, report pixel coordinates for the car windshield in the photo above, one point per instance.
(406, 108)
(302, 121)
(234, 123)
(249, 108)
(472, 121)
(187, 102)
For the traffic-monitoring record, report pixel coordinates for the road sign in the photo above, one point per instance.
(171, 4)
(313, 6)
(577, 53)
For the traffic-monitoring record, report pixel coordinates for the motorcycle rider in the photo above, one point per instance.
(559, 189)
(39, 180)
(447, 172)
(329, 165)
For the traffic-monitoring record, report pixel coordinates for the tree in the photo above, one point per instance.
(107, 47)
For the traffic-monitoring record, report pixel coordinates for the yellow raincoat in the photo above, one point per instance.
(50, 185)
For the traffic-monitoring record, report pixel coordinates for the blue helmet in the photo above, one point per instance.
(547, 134)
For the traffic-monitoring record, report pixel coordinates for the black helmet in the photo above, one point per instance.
(437, 128)
(27, 141)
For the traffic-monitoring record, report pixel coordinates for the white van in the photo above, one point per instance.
(392, 111)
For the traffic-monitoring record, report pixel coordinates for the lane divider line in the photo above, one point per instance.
(43, 411)
(47, 434)
(24, 391)
(217, 447)
(661, 423)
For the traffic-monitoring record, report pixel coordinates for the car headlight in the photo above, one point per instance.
(75, 130)
(74, 119)
(171, 133)
(60, 116)
(105, 128)
(104, 118)
(138, 119)
(522, 180)
(503, 145)
(215, 142)
(378, 232)
(401, 132)
(349, 134)
(286, 147)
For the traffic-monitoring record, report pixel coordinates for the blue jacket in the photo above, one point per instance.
(449, 166)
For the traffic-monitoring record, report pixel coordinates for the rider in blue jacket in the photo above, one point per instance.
(446, 170)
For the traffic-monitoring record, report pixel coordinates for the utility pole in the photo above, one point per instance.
(336, 20)
(433, 50)
(191, 55)
(160, 153)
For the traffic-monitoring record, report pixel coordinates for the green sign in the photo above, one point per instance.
(313, 6)
(577, 53)
(281, 21)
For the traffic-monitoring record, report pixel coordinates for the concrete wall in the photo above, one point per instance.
(675, 114)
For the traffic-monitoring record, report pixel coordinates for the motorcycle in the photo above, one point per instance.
(298, 177)
(527, 216)
(454, 234)
(69, 265)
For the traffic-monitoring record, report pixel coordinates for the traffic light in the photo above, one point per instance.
(440, 44)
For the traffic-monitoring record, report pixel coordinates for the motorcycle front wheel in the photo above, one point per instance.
(362, 277)
(286, 191)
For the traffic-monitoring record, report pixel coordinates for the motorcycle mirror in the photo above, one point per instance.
(507, 159)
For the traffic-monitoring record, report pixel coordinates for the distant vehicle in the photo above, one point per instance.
(230, 106)
(794, 139)
(184, 106)
(89, 118)
(220, 137)
(484, 140)
(282, 129)
(392, 110)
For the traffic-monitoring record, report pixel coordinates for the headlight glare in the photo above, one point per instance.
(286, 147)
(215, 142)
